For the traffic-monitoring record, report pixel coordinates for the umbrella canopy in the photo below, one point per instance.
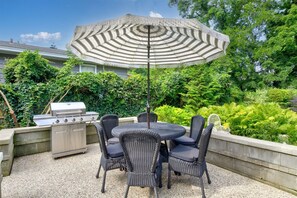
(136, 41)
(123, 41)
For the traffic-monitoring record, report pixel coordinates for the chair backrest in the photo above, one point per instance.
(108, 122)
(141, 149)
(142, 117)
(197, 125)
(101, 139)
(204, 141)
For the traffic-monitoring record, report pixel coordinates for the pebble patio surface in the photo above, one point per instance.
(41, 176)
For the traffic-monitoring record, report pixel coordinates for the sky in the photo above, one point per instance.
(52, 22)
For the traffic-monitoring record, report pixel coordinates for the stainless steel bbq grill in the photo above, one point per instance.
(65, 113)
(68, 121)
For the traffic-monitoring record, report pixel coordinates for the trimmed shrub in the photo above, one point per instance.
(281, 96)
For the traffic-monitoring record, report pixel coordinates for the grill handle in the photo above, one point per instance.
(69, 113)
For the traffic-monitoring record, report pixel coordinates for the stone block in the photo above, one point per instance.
(92, 136)
(263, 155)
(6, 136)
(32, 148)
(29, 137)
(92, 139)
(7, 148)
(6, 165)
(91, 130)
(232, 147)
(247, 168)
(217, 145)
(31, 140)
(280, 178)
(289, 161)
(220, 160)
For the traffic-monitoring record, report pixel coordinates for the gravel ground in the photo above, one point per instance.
(42, 176)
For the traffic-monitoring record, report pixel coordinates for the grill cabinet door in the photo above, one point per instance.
(77, 136)
(68, 139)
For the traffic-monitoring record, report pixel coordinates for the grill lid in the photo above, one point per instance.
(68, 108)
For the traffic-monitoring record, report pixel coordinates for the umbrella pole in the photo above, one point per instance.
(148, 108)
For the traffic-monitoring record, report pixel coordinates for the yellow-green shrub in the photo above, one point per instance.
(267, 121)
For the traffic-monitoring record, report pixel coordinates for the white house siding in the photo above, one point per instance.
(2, 61)
(122, 72)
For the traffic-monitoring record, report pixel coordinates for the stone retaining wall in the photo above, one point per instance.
(269, 162)
(31, 140)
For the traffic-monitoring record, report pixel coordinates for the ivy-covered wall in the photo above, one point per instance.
(32, 84)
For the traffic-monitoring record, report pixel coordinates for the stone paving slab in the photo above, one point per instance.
(42, 176)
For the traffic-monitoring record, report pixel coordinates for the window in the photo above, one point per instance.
(88, 68)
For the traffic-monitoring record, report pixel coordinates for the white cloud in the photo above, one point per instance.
(41, 37)
(155, 14)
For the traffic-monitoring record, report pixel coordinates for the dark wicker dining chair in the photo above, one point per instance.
(142, 117)
(108, 122)
(196, 128)
(141, 149)
(112, 156)
(190, 160)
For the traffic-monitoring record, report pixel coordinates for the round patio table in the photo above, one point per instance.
(165, 130)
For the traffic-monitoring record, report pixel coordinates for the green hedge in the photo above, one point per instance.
(283, 97)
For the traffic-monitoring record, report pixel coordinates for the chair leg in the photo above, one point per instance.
(103, 182)
(202, 187)
(159, 173)
(159, 182)
(127, 190)
(207, 175)
(156, 193)
(167, 151)
(98, 172)
(169, 177)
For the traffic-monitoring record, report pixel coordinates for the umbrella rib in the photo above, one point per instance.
(117, 49)
(177, 38)
(198, 52)
(122, 44)
(106, 40)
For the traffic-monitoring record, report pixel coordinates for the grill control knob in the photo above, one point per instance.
(57, 121)
(81, 119)
(93, 118)
(66, 120)
(73, 120)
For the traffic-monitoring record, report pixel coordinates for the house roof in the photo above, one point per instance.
(9, 47)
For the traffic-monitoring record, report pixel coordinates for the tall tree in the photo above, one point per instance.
(250, 24)
(278, 56)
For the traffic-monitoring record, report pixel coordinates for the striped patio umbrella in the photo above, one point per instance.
(136, 41)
